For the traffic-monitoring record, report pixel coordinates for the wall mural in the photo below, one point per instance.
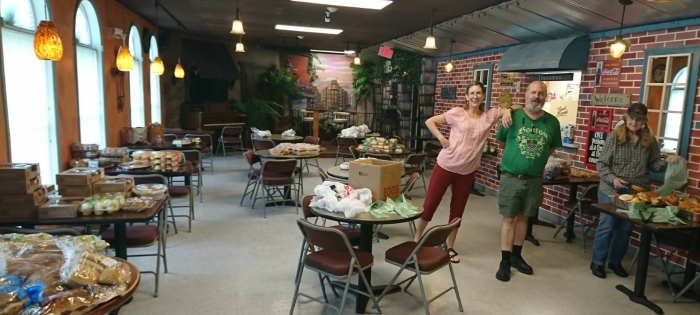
(333, 87)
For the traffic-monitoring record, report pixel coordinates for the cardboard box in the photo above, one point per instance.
(75, 191)
(19, 213)
(35, 199)
(80, 176)
(24, 187)
(18, 171)
(59, 209)
(383, 178)
(50, 189)
(114, 184)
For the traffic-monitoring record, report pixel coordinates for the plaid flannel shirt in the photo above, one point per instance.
(629, 162)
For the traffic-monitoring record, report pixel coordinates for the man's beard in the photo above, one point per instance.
(535, 108)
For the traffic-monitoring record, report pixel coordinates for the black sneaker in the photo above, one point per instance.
(598, 271)
(503, 273)
(618, 270)
(518, 263)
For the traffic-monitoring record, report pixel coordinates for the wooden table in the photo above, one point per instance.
(366, 222)
(119, 219)
(166, 145)
(183, 171)
(648, 228)
(114, 305)
(317, 112)
(573, 183)
(277, 138)
(336, 172)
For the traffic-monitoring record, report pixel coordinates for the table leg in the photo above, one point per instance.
(120, 240)
(640, 280)
(569, 234)
(690, 268)
(315, 125)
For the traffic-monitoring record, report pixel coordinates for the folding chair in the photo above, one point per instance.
(311, 140)
(415, 164)
(207, 148)
(337, 259)
(343, 148)
(263, 144)
(696, 260)
(674, 242)
(230, 135)
(276, 174)
(424, 258)
(582, 207)
(253, 173)
(195, 157)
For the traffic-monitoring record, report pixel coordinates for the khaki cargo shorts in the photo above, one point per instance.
(517, 196)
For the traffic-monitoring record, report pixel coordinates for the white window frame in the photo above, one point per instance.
(94, 28)
(666, 86)
(137, 107)
(156, 106)
(48, 172)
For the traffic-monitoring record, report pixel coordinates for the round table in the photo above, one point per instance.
(277, 138)
(366, 222)
(335, 171)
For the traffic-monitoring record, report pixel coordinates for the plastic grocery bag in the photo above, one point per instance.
(676, 176)
(260, 133)
(338, 197)
(558, 167)
(289, 133)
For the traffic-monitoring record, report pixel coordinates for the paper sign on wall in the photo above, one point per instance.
(610, 74)
(507, 79)
(599, 126)
(610, 99)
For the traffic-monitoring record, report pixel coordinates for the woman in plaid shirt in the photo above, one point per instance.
(629, 154)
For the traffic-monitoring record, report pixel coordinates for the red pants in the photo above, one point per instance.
(440, 179)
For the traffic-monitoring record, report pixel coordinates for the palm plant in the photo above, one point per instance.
(363, 81)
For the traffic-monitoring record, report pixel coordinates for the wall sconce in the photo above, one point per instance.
(47, 43)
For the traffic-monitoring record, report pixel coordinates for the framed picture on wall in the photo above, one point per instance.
(600, 123)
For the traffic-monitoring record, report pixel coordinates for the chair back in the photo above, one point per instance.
(251, 158)
(432, 149)
(169, 137)
(149, 179)
(327, 238)
(311, 140)
(590, 194)
(322, 173)
(232, 131)
(410, 182)
(263, 144)
(415, 159)
(346, 142)
(437, 235)
(279, 166)
(355, 152)
(378, 156)
(398, 139)
(306, 208)
(192, 155)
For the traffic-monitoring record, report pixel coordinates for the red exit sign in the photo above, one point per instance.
(386, 52)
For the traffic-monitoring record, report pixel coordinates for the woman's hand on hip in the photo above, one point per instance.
(444, 142)
(618, 183)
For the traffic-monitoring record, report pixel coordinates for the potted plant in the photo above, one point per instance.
(261, 114)
(283, 86)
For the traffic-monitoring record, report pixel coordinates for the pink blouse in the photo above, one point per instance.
(467, 139)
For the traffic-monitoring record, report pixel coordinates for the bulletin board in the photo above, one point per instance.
(600, 122)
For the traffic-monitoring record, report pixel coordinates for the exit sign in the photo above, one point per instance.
(386, 52)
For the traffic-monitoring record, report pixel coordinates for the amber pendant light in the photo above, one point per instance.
(47, 43)
(618, 46)
(157, 66)
(449, 66)
(237, 27)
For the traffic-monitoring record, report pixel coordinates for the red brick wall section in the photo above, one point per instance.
(630, 84)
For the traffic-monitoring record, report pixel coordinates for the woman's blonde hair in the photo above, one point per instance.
(482, 107)
(621, 132)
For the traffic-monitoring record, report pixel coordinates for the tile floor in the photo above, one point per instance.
(237, 262)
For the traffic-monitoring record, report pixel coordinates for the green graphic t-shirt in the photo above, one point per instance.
(528, 143)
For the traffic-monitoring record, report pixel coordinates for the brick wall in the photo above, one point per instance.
(632, 68)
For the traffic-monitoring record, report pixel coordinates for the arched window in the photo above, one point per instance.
(90, 85)
(29, 89)
(676, 102)
(155, 85)
(138, 112)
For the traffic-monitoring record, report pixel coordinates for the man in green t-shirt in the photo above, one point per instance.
(529, 141)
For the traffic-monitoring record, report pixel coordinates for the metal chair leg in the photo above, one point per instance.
(454, 283)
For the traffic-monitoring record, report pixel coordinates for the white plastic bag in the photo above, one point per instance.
(289, 133)
(260, 133)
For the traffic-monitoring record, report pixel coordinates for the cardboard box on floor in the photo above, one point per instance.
(383, 178)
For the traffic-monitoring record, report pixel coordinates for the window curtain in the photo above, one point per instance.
(136, 90)
(30, 104)
(90, 107)
(155, 99)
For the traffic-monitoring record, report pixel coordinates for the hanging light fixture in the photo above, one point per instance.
(125, 62)
(430, 41)
(357, 61)
(47, 43)
(449, 66)
(237, 27)
(239, 45)
(157, 66)
(179, 71)
(618, 46)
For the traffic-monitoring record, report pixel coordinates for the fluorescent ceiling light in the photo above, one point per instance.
(308, 29)
(363, 4)
(340, 52)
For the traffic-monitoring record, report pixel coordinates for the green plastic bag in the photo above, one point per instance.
(676, 176)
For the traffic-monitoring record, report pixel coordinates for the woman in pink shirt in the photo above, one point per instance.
(460, 156)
